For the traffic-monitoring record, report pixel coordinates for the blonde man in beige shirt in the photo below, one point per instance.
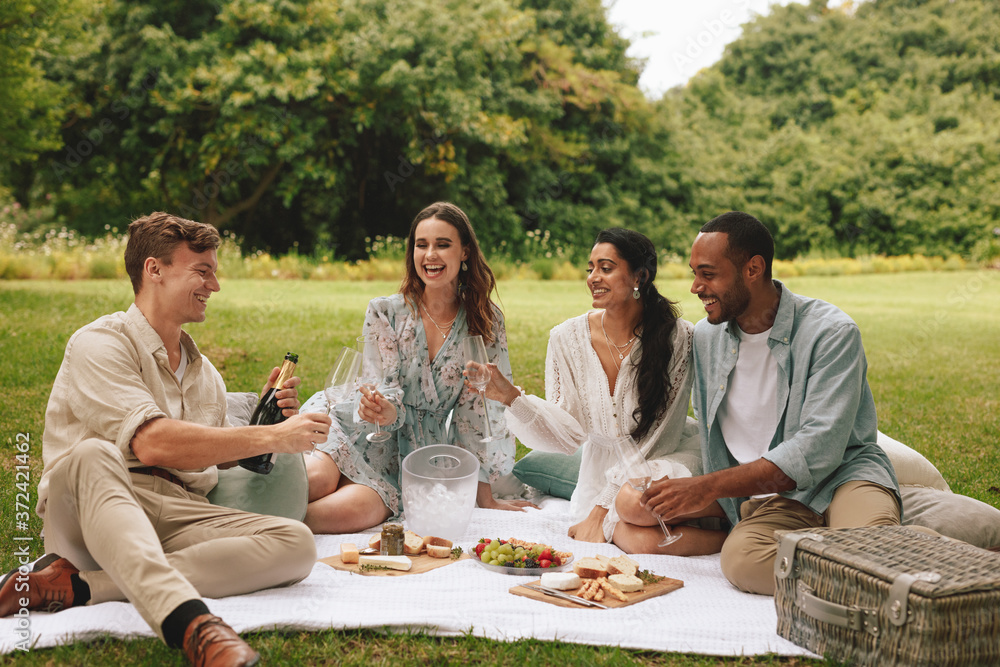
(133, 437)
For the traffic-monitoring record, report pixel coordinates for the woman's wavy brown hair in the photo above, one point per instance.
(475, 285)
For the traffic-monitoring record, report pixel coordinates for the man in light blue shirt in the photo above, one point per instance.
(786, 416)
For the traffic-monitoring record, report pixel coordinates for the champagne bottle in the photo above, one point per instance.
(268, 412)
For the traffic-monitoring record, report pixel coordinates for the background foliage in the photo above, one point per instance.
(313, 125)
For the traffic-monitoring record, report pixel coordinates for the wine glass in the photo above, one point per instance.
(639, 475)
(371, 375)
(478, 374)
(342, 379)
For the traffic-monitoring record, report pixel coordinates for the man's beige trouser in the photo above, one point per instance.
(749, 551)
(146, 540)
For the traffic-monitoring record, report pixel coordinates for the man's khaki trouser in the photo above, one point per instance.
(749, 551)
(147, 540)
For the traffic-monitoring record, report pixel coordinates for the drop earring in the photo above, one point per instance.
(635, 292)
(465, 267)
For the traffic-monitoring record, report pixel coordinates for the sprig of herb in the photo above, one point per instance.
(370, 567)
(456, 553)
(648, 577)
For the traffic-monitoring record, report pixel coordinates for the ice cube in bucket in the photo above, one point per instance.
(439, 490)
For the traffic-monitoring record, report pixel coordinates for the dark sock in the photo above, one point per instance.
(177, 622)
(81, 591)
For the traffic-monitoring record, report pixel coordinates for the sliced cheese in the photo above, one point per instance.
(561, 581)
(391, 562)
(348, 552)
(626, 583)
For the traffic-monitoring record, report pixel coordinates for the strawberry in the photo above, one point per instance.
(545, 562)
(545, 555)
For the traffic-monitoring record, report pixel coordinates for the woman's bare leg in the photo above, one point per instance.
(338, 505)
(638, 531)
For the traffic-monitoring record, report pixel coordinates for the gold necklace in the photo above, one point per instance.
(442, 329)
(619, 348)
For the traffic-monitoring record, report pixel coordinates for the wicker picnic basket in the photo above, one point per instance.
(888, 596)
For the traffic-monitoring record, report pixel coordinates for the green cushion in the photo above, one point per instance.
(554, 474)
(282, 492)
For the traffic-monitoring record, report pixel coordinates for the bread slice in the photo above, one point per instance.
(412, 543)
(590, 568)
(622, 565)
(348, 552)
(626, 583)
(375, 541)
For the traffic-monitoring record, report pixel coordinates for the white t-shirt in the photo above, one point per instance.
(182, 366)
(748, 415)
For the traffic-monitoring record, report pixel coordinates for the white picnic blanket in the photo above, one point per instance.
(706, 616)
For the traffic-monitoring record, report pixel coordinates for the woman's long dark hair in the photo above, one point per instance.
(478, 282)
(655, 329)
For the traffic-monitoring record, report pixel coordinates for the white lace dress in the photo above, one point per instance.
(578, 402)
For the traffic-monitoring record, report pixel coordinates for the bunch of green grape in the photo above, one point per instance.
(500, 552)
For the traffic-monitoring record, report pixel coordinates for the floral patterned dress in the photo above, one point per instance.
(433, 406)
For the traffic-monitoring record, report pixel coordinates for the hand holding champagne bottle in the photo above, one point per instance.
(269, 412)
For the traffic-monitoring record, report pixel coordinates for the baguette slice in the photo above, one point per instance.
(438, 551)
(437, 542)
(348, 553)
(590, 568)
(622, 565)
(626, 583)
(391, 562)
(412, 543)
(437, 547)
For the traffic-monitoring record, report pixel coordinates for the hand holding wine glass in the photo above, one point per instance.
(342, 379)
(477, 372)
(371, 376)
(639, 475)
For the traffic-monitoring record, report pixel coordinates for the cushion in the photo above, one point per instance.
(554, 474)
(283, 492)
(952, 515)
(912, 469)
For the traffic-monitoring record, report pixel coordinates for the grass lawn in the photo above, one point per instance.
(934, 364)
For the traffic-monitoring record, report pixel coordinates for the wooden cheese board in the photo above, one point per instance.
(662, 587)
(421, 563)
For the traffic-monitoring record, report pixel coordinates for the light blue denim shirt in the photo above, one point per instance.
(826, 413)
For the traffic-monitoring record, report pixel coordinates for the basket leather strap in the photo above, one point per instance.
(853, 618)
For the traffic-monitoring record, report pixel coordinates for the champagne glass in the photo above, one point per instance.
(372, 374)
(342, 379)
(478, 375)
(639, 475)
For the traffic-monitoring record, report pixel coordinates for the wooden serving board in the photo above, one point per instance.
(662, 587)
(421, 563)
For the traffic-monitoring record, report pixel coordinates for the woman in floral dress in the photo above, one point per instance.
(445, 296)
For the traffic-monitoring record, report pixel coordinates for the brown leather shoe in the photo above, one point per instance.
(47, 587)
(209, 642)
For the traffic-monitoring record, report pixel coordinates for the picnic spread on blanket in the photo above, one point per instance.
(706, 615)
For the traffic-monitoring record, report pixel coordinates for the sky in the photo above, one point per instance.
(684, 36)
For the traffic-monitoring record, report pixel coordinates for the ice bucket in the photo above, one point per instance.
(439, 490)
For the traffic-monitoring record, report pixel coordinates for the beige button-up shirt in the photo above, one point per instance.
(115, 377)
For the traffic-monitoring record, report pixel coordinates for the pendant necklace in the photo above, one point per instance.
(619, 348)
(442, 329)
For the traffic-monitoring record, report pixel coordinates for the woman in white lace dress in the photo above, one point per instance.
(445, 296)
(621, 369)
